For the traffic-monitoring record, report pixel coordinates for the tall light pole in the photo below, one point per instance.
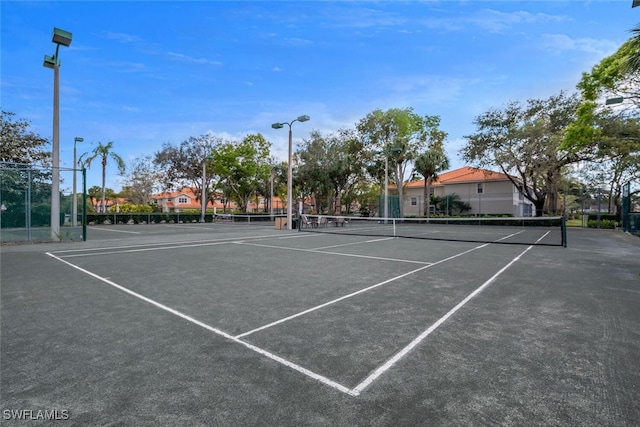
(203, 199)
(75, 198)
(386, 177)
(290, 171)
(60, 37)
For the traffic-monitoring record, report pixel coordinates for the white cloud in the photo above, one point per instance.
(192, 60)
(559, 43)
(123, 37)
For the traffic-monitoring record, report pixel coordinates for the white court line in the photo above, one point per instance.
(353, 243)
(192, 227)
(314, 251)
(144, 245)
(161, 248)
(302, 313)
(389, 363)
(115, 231)
(333, 384)
(258, 350)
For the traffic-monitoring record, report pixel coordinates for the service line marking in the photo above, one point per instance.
(115, 231)
(315, 251)
(162, 245)
(353, 243)
(344, 297)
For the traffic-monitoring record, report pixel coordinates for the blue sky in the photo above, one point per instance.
(150, 72)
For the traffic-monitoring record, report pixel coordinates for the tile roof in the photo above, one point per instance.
(461, 175)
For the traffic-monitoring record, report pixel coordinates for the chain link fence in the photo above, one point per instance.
(25, 204)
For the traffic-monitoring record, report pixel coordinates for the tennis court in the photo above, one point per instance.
(236, 324)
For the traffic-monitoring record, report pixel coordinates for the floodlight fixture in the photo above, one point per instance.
(61, 37)
(635, 3)
(617, 100)
(49, 62)
(303, 118)
(277, 125)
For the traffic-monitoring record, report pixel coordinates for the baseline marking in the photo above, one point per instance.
(258, 350)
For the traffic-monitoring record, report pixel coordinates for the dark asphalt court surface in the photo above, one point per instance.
(245, 325)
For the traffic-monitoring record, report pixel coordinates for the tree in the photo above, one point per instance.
(614, 76)
(181, 166)
(388, 131)
(243, 167)
(103, 152)
(524, 141)
(20, 145)
(610, 133)
(618, 159)
(312, 174)
(330, 167)
(142, 181)
(429, 164)
(450, 203)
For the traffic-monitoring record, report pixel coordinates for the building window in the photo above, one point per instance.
(480, 188)
(414, 201)
(182, 200)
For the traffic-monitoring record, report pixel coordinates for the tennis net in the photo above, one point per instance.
(549, 231)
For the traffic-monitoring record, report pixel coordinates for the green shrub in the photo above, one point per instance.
(604, 223)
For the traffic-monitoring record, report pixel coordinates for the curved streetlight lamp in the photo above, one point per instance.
(290, 171)
(60, 37)
(75, 198)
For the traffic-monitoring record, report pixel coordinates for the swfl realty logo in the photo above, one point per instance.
(30, 414)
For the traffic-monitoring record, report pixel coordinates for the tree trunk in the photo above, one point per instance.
(103, 209)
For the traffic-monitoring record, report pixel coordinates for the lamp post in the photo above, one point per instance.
(386, 177)
(271, 195)
(203, 199)
(290, 171)
(60, 37)
(75, 198)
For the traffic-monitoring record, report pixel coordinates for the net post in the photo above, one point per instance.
(564, 231)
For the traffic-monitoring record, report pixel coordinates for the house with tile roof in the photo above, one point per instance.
(184, 199)
(487, 192)
(96, 202)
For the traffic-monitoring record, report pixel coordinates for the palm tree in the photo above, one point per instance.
(633, 60)
(103, 152)
(429, 164)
